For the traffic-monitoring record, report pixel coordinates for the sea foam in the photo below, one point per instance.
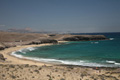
(16, 55)
(94, 42)
(68, 62)
(111, 38)
(110, 61)
(113, 62)
(24, 50)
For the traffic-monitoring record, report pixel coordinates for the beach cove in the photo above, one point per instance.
(14, 60)
(14, 68)
(22, 69)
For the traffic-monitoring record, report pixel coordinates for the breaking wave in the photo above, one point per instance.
(111, 38)
(113, 62)
(68, 62)
(24, 50)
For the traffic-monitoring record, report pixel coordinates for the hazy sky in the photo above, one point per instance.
(61, 15)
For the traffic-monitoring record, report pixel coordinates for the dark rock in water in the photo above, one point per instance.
(85, 38)
(2, 57)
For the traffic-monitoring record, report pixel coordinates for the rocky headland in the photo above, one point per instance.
(13, 39)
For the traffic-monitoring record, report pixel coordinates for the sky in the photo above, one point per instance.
(61, 15)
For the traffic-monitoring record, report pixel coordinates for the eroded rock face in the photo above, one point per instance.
(49, 41)
(2, 57)
(9, 45)
(35, 42)
(85, 38)
(44, 41)
(2, 47)
(6, 45)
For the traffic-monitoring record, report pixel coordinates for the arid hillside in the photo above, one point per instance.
(12, 39)
(16, 37)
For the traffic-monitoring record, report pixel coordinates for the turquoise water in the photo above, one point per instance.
(85, 53)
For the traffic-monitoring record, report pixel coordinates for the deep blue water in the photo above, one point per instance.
(86, 53)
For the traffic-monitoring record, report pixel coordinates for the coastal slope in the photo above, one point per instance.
(12, 39)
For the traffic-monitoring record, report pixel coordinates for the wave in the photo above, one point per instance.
(117, 63)
(94, 42)
(111, 38)
(110, 61)
(68, 62)
(24, 50)
(31, 48)
(113, 62)
(16, 55)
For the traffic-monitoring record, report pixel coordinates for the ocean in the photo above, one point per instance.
(104, 53)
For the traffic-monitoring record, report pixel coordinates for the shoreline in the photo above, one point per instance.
(10, 59)
(15, 68)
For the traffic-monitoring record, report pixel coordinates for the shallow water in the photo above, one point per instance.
(86, 53)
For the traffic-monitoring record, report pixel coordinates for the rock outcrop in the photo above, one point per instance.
(2, 57)
(85, 38)
(44, 41)
(2, 47)
(8, 45)
(49, 41)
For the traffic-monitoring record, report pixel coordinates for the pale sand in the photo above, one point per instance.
(14, 60)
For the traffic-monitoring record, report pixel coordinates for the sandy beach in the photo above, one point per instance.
(14, 60)
(22, 69)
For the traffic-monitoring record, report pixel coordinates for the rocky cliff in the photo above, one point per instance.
(85, 38)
